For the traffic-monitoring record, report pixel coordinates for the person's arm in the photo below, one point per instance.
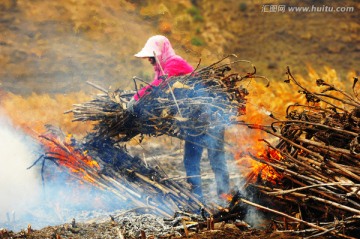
(177, 67)
(143, 91)
(173, 67)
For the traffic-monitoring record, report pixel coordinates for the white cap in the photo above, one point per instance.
(152, 45)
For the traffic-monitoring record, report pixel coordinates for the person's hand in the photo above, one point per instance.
(130, 106)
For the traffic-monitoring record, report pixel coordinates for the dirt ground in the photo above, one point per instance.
(110, 229)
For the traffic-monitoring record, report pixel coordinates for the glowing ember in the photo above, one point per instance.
(227, 197)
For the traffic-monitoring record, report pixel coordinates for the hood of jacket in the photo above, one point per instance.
(159, 45)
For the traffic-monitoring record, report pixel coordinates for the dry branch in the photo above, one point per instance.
(317, 154)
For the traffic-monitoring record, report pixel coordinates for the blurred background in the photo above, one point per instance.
(49, 49)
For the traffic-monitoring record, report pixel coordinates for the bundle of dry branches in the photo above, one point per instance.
(179, 106)
(318, 158)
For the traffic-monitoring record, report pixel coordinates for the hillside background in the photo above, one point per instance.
(56, 46)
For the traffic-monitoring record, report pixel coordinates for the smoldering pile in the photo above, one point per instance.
(317, 157)
(154, 204)
(109, 167)
(178, 107)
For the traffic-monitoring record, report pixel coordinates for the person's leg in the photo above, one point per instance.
(192, 157)
(217, 159)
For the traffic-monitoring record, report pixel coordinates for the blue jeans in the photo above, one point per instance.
(194, 146)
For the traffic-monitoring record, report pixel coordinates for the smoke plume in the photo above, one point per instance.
(19, 187)
(26, 200)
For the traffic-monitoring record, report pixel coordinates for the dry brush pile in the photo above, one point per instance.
(317, 158)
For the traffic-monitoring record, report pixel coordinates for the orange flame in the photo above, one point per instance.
(263, 102)
(77, 161)
(227, 197)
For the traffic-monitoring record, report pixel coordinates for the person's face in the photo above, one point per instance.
(152, 60)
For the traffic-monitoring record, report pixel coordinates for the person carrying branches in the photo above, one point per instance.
(166, 63)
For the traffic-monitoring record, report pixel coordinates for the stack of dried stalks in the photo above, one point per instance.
(179, 106)
(318, 157)
(110, 168)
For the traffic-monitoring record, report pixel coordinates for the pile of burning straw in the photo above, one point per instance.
(109, 167)
(132, 182)
(317, 157)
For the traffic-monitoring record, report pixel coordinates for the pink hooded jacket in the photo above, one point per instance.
(172, 64)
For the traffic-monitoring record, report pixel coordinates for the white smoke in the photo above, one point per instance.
(255, 218)
(24, 200)
(19, 187)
